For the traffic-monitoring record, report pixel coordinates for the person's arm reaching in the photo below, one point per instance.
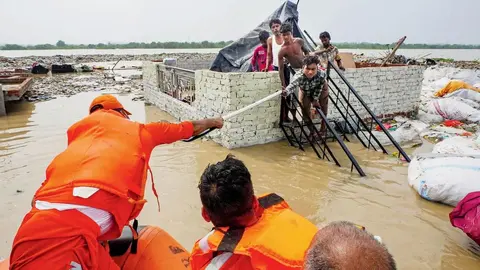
(281, 68)
(339, 59)
(254, 60)
(165, 133)
(269, 52)
(292, 86)
(304, 46)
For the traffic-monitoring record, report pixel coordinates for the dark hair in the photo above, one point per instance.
(341, 245)
(325, 35)
(263, 35)
(274, 21)
(226, 191)
(285, 28)
(310, 59)
(96, 107)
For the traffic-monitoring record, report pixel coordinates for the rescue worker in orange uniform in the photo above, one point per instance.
(250, 232)
(94, 188)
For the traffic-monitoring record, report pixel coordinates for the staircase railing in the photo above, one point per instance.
(360, 125)
(297, 129)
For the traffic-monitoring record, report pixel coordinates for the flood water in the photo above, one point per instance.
(417, 232)
(457, 54)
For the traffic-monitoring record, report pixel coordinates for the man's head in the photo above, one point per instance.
(275, 26)
(286, 31)
(226, 192)
(342, 245)
(310, 66)
(325, 39)
(108, 102)
(263, 36)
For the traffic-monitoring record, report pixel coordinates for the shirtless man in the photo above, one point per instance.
(294, 50)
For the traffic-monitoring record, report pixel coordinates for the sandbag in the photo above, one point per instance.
(466, 94)
(453, 109)
(429, 117)
(457, 145)
(407, 134)
(444, 178)
(466, 216)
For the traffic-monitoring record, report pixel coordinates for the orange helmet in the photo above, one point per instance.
(108, 102)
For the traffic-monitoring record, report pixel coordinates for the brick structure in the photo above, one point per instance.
(385, 90)
(388, 90)
(221, 93)
(3, 111)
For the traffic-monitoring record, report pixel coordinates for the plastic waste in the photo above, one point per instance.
(436, 176)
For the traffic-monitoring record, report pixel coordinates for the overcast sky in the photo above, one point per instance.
(94, 21)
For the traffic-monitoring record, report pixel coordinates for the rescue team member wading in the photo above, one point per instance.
(249, 232)
(93, 188)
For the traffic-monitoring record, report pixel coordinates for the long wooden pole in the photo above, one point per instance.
(399, 43)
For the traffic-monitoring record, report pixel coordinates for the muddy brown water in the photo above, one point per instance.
(417, 232)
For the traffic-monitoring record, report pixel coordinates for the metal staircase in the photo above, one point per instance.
(357, 121)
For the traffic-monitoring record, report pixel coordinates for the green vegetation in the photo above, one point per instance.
(378, 46)
(61, 45)
(208, 44)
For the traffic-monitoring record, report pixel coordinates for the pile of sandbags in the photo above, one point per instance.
(449, 173)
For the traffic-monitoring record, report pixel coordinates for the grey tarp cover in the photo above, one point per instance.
(236, 56)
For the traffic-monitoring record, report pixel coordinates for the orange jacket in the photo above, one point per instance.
(111, 153)
(278, 240)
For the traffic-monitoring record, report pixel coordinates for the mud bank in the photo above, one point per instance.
(47, 88)
(21, 62)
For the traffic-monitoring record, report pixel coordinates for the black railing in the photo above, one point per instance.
(177, 82)
(361, 124)
(297, 135)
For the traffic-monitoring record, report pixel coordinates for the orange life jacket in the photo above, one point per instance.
(104, 151)
(278, 240)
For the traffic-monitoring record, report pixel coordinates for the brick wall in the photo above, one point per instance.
(176, 108)
(3, 111)
(220, 93)
(387, 90)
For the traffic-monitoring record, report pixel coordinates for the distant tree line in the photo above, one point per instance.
(220, 44)
(366, 45)
(132, 45)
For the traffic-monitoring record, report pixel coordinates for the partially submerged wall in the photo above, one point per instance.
(219, 93)
(3, 111)
(387, 91)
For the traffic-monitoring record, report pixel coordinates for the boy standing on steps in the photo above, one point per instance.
(313, 90)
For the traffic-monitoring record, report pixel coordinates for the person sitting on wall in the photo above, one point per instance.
(313, 90)
(345, 246)
(259, 57)
(250, 232)
(327, 51)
